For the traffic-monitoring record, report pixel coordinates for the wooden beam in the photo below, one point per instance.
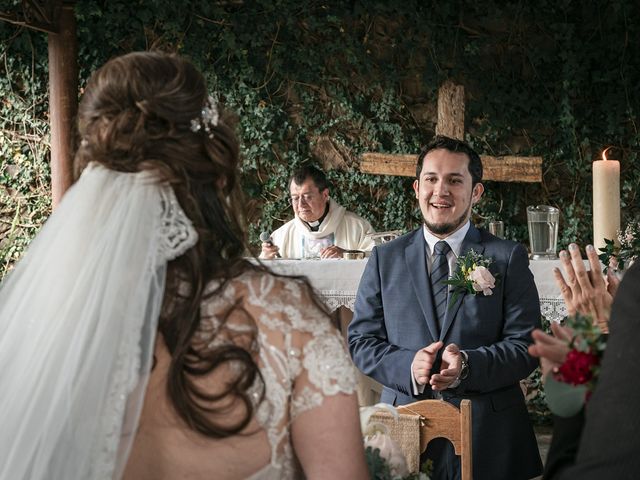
(512, 169)
(63, 99)
(497, 169)
(451, 111)
(35, 14)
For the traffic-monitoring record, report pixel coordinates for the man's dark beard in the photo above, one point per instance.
(446, 228)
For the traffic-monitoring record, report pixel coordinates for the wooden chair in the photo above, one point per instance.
(441, 419)
(420, 422)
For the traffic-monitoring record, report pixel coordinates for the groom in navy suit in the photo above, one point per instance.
(419, 340)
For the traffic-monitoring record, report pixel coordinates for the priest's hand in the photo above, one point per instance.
(269, 251)
(331, 252)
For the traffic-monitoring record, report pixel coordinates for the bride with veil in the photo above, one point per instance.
(135, 341)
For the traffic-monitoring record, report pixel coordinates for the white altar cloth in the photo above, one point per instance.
(336, 281)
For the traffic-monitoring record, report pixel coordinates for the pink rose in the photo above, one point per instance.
(482, 280)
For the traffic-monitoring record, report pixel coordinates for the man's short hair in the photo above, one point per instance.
(455, 146)
(309, 171)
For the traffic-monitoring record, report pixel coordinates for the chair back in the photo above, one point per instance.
(441, 419)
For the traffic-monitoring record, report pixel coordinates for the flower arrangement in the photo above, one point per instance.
(385, 459)
(627, 252)
(570, 386)
(472, 275)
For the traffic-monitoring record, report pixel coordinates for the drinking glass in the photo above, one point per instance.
(543, 231)
(496, 227)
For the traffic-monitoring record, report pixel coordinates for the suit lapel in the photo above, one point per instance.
(416, 261)
(471, 242)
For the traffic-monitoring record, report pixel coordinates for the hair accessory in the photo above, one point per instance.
(208, 118)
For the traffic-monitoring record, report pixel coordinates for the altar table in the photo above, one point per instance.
(336, 281)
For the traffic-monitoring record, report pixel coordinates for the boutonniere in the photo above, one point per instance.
(472, 275)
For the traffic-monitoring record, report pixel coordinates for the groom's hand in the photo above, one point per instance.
(451, 365)
(423, 362)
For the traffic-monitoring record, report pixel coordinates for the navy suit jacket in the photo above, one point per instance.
(394, 318)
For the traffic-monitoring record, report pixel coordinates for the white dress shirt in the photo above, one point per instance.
(455, 242)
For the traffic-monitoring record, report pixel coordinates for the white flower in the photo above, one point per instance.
(482, 280)
(629, 238)
(390, 451)
(370, 428)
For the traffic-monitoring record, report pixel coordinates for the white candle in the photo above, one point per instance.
(606, 200)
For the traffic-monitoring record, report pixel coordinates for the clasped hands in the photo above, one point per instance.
(451, 364)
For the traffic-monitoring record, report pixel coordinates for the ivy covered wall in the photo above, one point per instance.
(328, 80)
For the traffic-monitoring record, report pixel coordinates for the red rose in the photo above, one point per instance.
(577, 369)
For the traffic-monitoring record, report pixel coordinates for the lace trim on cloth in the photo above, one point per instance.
(123, 383)
(174, 237)
(335, 299)
(553, 310)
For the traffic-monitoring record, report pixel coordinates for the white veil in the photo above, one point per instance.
(78, 318)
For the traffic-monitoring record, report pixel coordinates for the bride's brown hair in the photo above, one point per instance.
(136, 114)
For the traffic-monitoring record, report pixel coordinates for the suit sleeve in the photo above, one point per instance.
(370, 348)
(507, 361)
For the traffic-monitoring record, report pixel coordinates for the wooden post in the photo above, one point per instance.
(451, 110)
(63, 99)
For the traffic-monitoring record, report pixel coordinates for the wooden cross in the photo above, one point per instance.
(509, 168)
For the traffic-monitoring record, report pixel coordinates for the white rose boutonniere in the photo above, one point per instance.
(472, 276)
(482, 280)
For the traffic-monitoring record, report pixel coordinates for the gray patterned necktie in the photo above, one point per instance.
(440, 273)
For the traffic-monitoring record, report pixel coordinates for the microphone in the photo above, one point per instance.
(266, 238)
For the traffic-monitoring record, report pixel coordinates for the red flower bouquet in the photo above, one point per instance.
(578, 368)
(570, 386)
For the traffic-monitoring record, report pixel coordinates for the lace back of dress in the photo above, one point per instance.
(302, 358)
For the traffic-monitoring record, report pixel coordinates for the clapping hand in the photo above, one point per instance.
(450, 371)
(423, 362)
(551, 349)
(585, 291)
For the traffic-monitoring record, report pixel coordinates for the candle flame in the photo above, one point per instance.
(604, 153)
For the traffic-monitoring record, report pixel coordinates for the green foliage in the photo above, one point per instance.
(379, 469)
(626, 250)
(536, 397)
(327, 81)
(24, 144)
(378, 466)
(365, 75)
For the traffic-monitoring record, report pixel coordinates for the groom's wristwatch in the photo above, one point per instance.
(464, 370)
